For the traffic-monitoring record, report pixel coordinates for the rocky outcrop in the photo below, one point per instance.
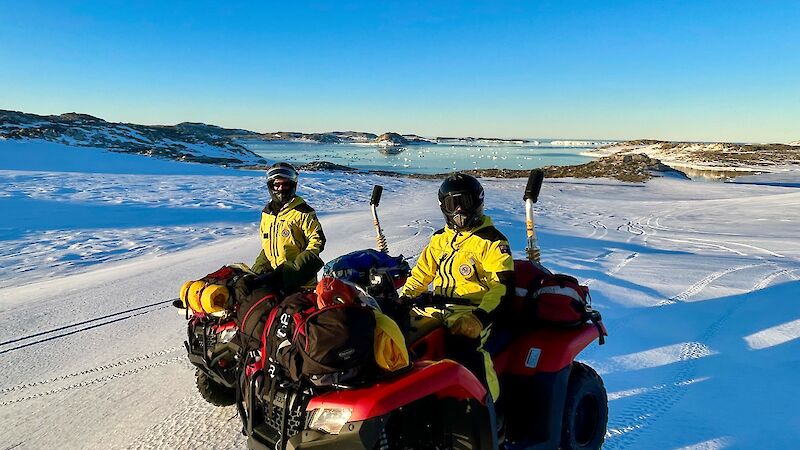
(333, 137)
(327, 166)
(415, 139)
(196, 142)
(391, 139)
(632, 168)
(636, 168)
(718, 156)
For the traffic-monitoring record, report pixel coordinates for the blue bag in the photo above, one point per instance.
(357, 266)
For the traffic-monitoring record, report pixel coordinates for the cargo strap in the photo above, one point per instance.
(594, 317)
(240, 380)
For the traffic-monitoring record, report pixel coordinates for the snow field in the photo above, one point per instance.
(698, 285)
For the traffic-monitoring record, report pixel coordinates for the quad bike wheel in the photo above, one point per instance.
(585, 410)
(213, 392)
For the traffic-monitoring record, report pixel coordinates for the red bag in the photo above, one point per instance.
(561, 300)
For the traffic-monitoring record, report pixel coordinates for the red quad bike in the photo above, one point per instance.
(548, 400)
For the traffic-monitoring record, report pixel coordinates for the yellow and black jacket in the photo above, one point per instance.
(291, 241)
(475, 265)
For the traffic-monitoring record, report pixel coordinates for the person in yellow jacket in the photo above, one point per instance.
(291, 235)
(468, 261)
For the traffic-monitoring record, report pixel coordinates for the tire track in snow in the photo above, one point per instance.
(597, 228)
(636, 229)
(649, 407)
(752, 247)
(96, 369)
(103, 379)
(419, 225)
(616, 268)
(706, 244)
(704, 283)
(52, 334)
(630, 228)
(212, 427)
(603, 255)
(765, 281)
(624, 428)
(652, 222)
(624, 263)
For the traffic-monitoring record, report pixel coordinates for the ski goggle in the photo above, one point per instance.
(466, 202)
(282, 172)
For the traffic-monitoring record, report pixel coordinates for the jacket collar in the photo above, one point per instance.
(486, 221)
(294, 203)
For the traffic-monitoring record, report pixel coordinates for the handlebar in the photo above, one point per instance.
(436, 300)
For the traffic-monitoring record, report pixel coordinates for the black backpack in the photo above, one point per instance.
(251, 318)
(280, 357)
(336, 344)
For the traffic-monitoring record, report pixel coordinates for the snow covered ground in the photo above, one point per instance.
(698, 284)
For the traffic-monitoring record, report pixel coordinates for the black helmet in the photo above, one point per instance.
(282, 170)
(461, 201)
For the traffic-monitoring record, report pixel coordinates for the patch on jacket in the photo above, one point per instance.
(504, 249)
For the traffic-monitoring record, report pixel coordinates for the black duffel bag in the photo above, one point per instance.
(336, 345)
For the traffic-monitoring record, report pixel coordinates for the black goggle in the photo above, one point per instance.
(452, 202)
(282, 172)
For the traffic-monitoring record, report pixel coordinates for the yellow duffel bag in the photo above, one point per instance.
(210, 294)
(214, 298)
(193, 295)
(390, 346)
(184, 296)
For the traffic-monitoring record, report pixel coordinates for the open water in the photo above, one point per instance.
(424, 158)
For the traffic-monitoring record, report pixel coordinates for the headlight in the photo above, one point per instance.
(329, 420)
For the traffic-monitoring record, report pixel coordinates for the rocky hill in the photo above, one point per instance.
(343, 137)
(632, 168)
(333, 137)
(196, 142)
(720, 156)
(390, 139)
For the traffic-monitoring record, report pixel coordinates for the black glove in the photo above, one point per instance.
(301, 270)
(269, 278)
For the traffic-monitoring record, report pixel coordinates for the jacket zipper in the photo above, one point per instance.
(273, 236)
(446, 271)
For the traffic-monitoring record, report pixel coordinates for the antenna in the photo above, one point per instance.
(531, 196)
(377, 190)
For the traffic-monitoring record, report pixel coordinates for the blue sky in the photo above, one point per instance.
(688, 70)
